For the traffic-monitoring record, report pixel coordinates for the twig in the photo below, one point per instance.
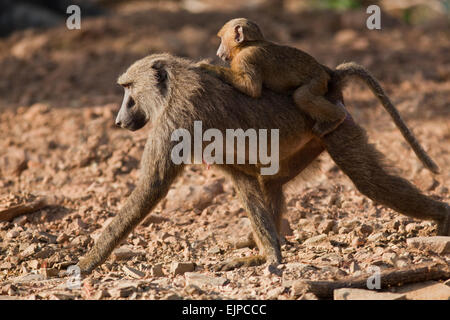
(21, 209)
(388, 278)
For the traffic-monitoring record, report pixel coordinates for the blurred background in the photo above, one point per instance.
(42, 61)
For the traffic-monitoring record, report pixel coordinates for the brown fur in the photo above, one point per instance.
(186, 94)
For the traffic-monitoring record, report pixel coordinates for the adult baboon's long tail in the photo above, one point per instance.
(349, 70)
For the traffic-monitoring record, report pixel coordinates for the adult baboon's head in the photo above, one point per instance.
(151, 85)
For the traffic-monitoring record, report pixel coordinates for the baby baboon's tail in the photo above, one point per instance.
(349, 70)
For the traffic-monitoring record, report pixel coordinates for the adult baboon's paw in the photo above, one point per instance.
(85, 265)
(232, 264)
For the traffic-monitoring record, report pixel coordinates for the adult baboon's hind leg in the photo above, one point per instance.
(350, 150)
(264, 230)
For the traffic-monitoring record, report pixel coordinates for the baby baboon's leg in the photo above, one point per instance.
(310, 99)
(260, 215)
(350, 150)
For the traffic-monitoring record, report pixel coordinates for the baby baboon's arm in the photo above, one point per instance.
(246, 81)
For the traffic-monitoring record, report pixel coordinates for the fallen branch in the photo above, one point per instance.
(25, 208)
(388, 278)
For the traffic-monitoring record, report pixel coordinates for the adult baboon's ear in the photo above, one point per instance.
(161, 75)
(161, 72)
(239, 34)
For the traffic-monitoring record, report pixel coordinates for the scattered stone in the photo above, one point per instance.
(215, 250)
(181, 267)
(274, 293)
(376, 237)
(438, 244)
(122, 254)
(21, 220)
(134, 273)
(8, 289)
(121, 292)
(193, 290)
(273, 269)
(316, 239)
(62, 296)
(431, 290)
(139, 241)
(325, 226)
(100, 294)
(28, 278)
(299, 288)
(365, 229)
(44, 253)
(362, 294)
(30, 250)
(298, 267)
(63, 237)
(157, 270)
(354, 267)
(6, 266)
(201, 280)
(308, 296)
(411, 227)
(49, 272)
(390, 258)
(11, 234)
(172, 296)
(357, 242)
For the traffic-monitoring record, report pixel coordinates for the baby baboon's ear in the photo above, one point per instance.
(239, 36)
(161, 75)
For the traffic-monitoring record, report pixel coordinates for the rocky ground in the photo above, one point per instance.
(58, 143)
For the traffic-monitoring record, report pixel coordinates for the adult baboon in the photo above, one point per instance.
(172, 93)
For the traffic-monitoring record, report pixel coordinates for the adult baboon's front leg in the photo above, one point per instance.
(156, 177)
(263, 224)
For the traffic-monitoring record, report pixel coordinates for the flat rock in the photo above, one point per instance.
(121, 254)
(30, 250)
(29, 278)
(132, 272)
(157, 270)
(362, 294)
(201, 280)
(316, 239)
(438, 244)
(4, 297)
(181, 267)
(431, 290)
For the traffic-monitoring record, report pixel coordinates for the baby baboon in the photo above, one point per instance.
(172, 93)
(255, 62)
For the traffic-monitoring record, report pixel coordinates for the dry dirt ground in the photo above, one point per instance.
(58, 100)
